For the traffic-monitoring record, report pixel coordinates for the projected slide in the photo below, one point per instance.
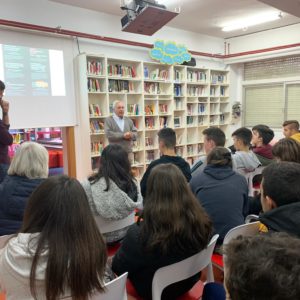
(32, 71)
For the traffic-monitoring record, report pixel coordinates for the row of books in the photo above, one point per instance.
(163, 108)
(97, 147)
(149, 109)
(95, 67)
(149, 141)
(120, 86)
(94, 110)
(150, 156)
(178, 104)
(133, 109)
(196, 76)
(178, 75)
(121, 70)
(156, 74)
(177, 90)
(223, 91)
(196, 91)
(96, 126)
(93, 85)
(218, 78)
(152, 88)
(150, 122)
(163, 122)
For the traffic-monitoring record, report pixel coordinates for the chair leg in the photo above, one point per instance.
(210, 273)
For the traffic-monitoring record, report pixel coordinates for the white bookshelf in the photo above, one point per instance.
(188, 99)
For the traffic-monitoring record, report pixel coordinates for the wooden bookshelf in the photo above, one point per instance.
(188, 99)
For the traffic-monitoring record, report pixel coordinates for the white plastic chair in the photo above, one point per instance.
(115, 290)
(105, 226)
(249, 177)
(244, 230)
(184, 269)
(4, 239)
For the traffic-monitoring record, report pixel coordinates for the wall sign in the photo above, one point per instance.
(169, 53)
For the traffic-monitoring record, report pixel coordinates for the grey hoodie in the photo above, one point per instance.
(245, 161)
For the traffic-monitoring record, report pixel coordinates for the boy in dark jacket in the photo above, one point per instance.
(280, 198)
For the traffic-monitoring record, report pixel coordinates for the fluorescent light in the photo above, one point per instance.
(251, 21)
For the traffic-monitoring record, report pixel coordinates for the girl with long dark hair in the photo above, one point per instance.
(173, 226)
(59, 251)
(113, 192)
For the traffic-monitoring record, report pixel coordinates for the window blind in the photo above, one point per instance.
(264, 105)
(280, 67)
(293, 101)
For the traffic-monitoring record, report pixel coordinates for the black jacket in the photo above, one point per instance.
(285, 218)
(142, 265)
(223, 193)
(165, 159)
(14, 193)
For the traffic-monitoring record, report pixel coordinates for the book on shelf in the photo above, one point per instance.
(149, 142)
(163, 122)
(136, 144)
(218, 78)
(124, 86)
(95, 110)
(149, 109)
(150, 156)
(189, 150)
(146, 72)
(190, 109)
(200, 148)
(212, 91)
(201, 108)
(97, 147)
(96, 126)
(150, 122)
(177, 121)
(93, 85)
(189, 120)
(94, 67)
(133, 109)
(200, 120)
(152, 88)
(179, 150)
(121, 70)
(111, 108)
(178, 75)
(196, 91)
(222, 90)
(196, 76)
(179, 138)
(158, 74)
(177, 90)
(178, 104)
(163, 108)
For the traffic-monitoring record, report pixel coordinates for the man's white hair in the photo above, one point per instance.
(115, 103)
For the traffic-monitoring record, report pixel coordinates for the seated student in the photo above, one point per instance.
(113, 193)
(262, 267)
(173, 227)
(28, 169)
(59, 251)
(280, 198)
(262, 135)
(166, 143)
(287, 150)
(244, 160)
(213, 137)
(291, 130)
(222, 192)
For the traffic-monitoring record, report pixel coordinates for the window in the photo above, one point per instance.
(272, 91)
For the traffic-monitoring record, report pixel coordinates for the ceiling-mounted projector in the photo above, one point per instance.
(145, 17)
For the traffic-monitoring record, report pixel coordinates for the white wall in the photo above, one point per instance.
(266, 39)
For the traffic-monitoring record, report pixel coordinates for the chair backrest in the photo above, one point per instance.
(245, 230)
(184, 269)
(4, 239)
(105, 226)
(115, 290)
(249, 177)
(251, 218)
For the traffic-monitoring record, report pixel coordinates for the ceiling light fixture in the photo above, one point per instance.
(251, 21)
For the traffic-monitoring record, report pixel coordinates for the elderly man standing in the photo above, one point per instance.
(120, 129)
(5, 137)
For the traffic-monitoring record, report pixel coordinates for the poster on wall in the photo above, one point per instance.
(170, 53)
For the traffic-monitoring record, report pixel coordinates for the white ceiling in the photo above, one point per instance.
(206, 16)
